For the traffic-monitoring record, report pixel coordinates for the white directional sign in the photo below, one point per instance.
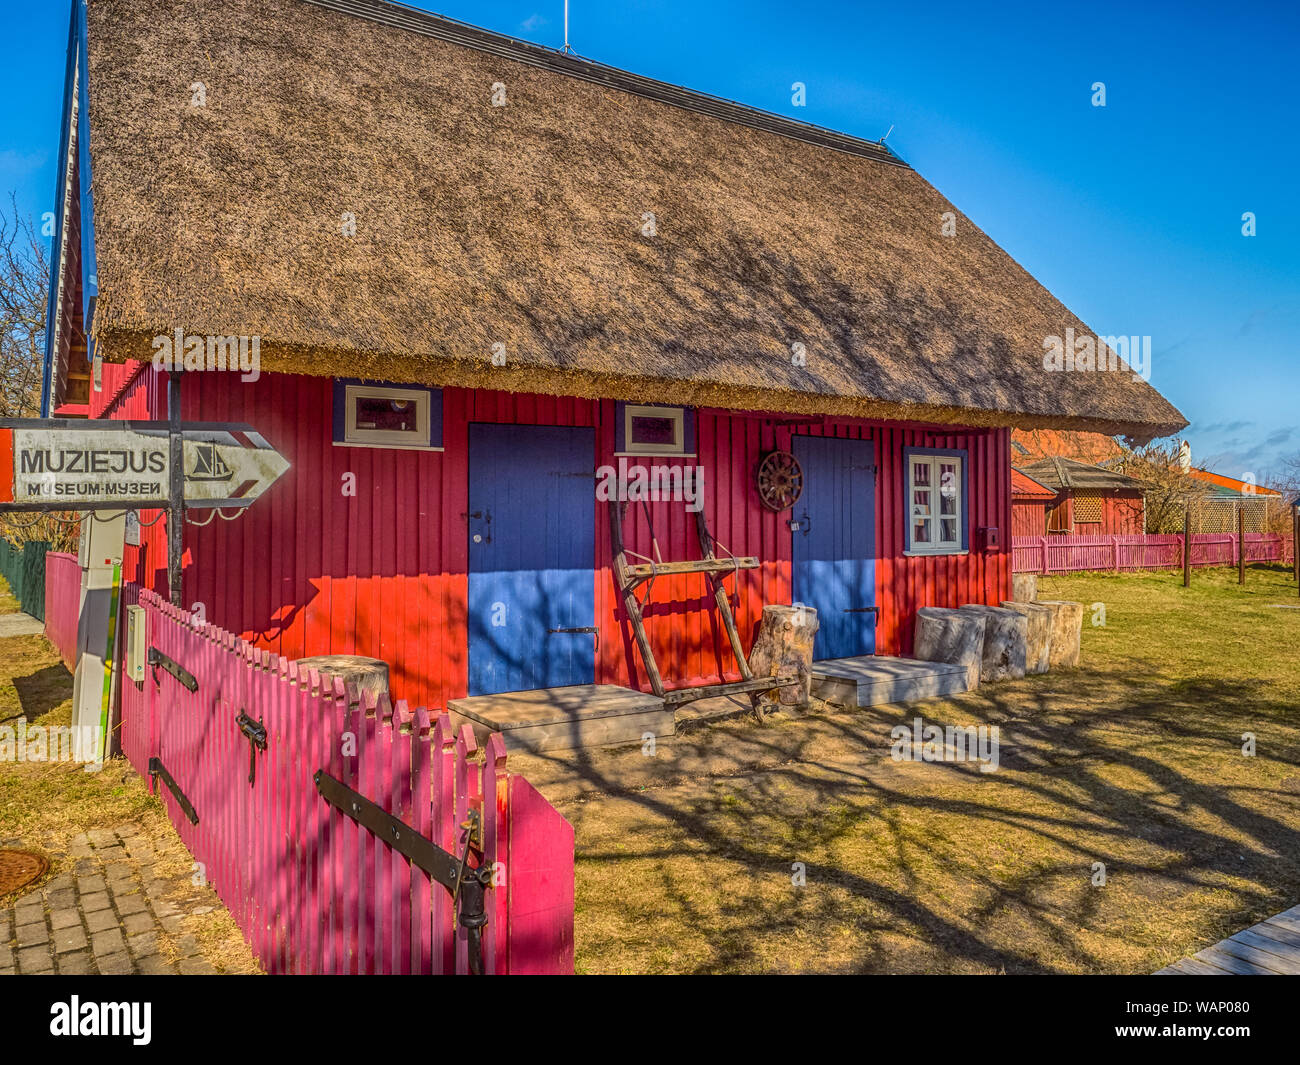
(95, 465)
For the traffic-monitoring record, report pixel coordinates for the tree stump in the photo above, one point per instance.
(1067, 628)
(1005, 637)
(944, 635)
(785, 645)
(1024, 587)
(366, 674)
(1038, 634)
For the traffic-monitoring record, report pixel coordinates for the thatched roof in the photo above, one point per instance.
(1061, 473)
(522, 225)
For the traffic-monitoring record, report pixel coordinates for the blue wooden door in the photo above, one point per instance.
(834, 534)
(531, 520)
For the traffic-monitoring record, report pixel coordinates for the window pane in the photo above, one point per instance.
(921, 531)
(921, 502)
(647, 430)
(387, 415)
(921, 473)
(948, 530)
(949, 488)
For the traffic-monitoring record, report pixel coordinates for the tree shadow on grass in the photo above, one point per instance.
(1133, 772)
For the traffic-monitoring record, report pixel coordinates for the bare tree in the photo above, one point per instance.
(24, 292)
(1169, 491)
(24, 295)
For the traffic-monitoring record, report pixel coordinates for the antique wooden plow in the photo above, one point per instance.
(632, 575)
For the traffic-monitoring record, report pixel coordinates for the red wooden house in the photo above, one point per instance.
(1088, 500)
(477, 274)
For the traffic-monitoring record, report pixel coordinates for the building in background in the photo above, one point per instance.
(1089, 500)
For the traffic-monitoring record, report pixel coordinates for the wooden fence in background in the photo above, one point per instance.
(1074, 554)
(62, 604)
(313, 890)
(23, 568)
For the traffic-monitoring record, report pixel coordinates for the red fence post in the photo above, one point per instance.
(496, 851)
(444, 828)
(422, 887)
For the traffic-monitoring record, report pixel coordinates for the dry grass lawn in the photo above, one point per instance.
(1135, 760)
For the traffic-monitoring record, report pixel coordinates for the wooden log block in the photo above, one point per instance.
(1038, 634)
(1067, 628)
(944, 635)
(1005, 637)
(1024, 587)
(784, 645)
(368, 674)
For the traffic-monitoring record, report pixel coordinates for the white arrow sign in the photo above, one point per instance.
(105, 465)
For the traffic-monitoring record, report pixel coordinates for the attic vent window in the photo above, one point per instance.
(651, 429)
(368, 414)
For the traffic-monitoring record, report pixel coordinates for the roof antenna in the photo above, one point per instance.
(567, 48)
(882, 139)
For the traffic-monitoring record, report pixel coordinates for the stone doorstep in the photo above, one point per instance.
(586, 715)
(874, 680)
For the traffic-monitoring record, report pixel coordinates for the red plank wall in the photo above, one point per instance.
(309, 570)
(1029, 518)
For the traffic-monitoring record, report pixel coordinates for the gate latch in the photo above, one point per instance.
(256, 733)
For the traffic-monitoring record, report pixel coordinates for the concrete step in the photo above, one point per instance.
(870, 680)
(579, 715)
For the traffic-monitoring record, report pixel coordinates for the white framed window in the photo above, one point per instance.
(653, 430)
(936, 505)
(387, 416)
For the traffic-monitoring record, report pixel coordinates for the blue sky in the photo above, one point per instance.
(1130, 213)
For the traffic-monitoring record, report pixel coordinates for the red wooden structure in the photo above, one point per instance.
(307, 572)
(313, 890)
(1029, 502)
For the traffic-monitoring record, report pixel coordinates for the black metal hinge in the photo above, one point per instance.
(158, 659)
(156, 770)
(467, 886)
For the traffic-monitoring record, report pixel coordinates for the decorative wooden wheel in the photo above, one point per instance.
(780, 480)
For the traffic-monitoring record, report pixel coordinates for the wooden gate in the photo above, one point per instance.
(236, 737)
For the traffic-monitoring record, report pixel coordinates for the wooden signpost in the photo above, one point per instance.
(88, 465)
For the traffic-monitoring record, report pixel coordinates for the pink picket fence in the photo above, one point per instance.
(313, 890)
(62, 603)
(1074, 554)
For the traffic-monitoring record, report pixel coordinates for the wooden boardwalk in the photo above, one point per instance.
(1270, 948)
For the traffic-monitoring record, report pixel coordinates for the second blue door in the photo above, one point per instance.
(531, 557)
(834, 542)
